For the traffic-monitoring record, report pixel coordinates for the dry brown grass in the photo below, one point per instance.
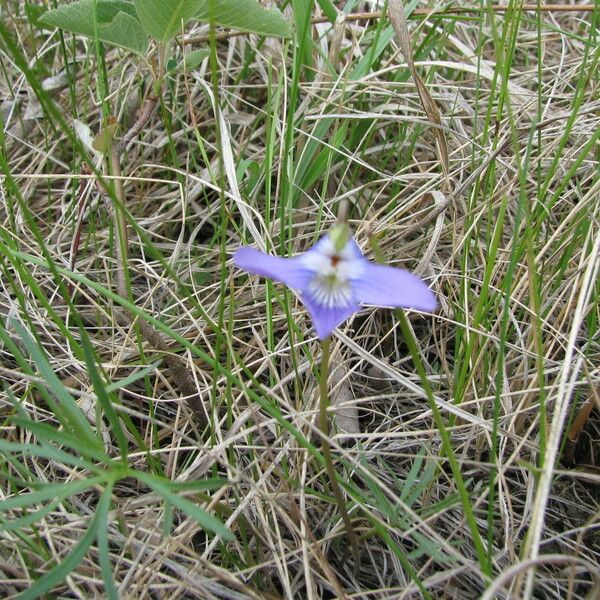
(537, 324)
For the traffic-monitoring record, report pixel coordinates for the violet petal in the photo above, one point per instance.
(380, 285)
(287, 270)
(327, 319)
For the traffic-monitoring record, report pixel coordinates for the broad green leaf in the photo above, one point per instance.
(246, 15)
(107, 9)
(163, 19)
(116, 22)
(194, 59)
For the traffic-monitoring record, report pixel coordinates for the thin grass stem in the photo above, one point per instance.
(326, 449)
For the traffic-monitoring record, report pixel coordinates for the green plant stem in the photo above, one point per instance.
(326, 448)
(221, 333)
(438, 419)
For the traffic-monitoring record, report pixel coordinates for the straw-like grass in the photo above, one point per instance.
(509, 239)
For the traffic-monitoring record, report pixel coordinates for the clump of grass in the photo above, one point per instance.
(109, 485)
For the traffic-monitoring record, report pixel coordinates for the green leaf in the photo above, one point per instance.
(135, 376)
(116, 22)
(103, 141)
(329, 9)
(260, 396)
(200, 485)
(107, 8)
(50, 491)
(67, 410)
(204, 519)
(45, 434)
(34, 12)
(246, 15)
(163, 19)
(190, 62)
(103, 548)
(63, 569)
(11, 452)
(167, 520)
(103, 398)
(194, 59)
(373, 54)
(30, 518)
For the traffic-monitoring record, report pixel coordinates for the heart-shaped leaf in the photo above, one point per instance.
(163, 19)
(246, 15)
(191, 61)
(116, 22)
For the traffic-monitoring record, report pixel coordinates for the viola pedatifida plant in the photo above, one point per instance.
(333, 279)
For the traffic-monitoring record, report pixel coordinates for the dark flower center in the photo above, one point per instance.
(335, 259)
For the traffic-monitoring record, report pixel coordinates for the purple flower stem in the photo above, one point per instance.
(326, 450)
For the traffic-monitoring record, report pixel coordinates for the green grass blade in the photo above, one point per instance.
(58, 573)
(103, 397)
(204, 519)
(48, 491)
(67, 409)
(103, 548)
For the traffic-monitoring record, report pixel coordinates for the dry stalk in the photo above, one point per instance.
(398, 20)
(179, 369)
(144, 115)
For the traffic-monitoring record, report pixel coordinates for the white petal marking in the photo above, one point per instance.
(334, 271)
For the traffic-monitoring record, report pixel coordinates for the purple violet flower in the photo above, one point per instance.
(333, 279)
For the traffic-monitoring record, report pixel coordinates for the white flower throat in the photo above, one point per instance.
(334, 271)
